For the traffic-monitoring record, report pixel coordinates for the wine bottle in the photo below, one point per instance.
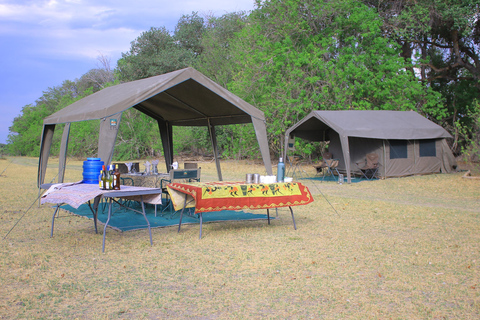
(100, 179)
(116, 178)
(110, 177)
(104, 178)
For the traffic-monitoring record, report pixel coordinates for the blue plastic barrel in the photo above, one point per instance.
(91, 170)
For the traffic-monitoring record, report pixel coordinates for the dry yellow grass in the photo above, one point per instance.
(398, 248)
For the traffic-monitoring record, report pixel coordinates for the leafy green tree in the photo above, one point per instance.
(297, 56)
(217, 60)
(189, 32)
(440, 42)
(154, 52)
(138, 137)
(26, 130)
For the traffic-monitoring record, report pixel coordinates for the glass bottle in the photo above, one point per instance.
(116, 178)
(281, 171)
(104, 178)
(110, 177)
(100, 181)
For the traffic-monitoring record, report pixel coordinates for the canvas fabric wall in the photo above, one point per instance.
(412, 165)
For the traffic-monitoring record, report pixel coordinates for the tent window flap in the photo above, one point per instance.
(427, 148)
(398, 149)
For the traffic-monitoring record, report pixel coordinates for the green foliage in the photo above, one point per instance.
(287, 58)
(471, 135)
(25, 141)
(216, 60)
(138, 136)
(238, 142)
(295, 57)
(154, 52)
(83, 141)
(233, 141)
(26, 130)
(440, 40)
(157, 52)
(189, 32)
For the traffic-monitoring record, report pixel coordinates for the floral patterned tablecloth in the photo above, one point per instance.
(217, 196)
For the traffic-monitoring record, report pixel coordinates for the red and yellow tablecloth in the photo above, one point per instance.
(217, 196)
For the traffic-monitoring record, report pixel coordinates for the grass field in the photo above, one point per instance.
(406, 248)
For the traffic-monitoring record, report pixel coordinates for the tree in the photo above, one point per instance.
(297, 56)
(154, 52)
(26, 130)
(216, 60)
(99, 77)
(189, 32)
(440, 42)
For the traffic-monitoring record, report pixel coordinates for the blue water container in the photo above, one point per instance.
(91, 170)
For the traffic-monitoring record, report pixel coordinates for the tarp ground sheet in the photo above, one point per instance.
(329, 178)
(125, 220)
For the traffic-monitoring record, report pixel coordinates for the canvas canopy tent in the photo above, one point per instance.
(181, 98)
(406, 142)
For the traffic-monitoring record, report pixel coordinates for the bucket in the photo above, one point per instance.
(91, 170)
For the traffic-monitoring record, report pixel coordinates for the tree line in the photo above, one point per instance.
(287, 58)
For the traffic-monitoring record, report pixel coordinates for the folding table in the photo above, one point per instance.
(75, 194)
(217, 196)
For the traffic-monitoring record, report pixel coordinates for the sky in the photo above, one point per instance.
(44, 43)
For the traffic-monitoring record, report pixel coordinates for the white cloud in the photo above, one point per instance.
(45, 36)
(83, 28)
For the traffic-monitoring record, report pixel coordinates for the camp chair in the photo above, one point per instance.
(295, 166)
(323, 165)
(332, 165)
(188, 175)
(328, 166)
(369, 168)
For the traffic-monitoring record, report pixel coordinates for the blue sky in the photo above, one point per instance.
(44, 43)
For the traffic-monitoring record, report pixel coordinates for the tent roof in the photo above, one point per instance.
(183, 98)
(376, 124)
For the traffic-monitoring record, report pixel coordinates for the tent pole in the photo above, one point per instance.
(213, 138)
(261, 133)
(285, 148)
(384, 160)
(45, 145)
(167, 142)
(62, 157)
(415, 157)
(346, 156)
